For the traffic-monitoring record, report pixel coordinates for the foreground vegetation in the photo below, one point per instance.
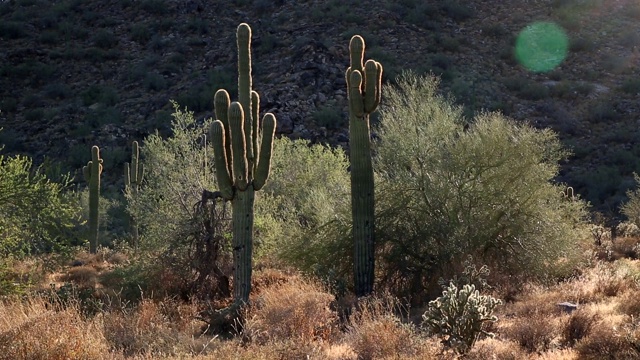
(294, 317)
(476, 246)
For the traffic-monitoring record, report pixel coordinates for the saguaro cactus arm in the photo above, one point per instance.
(264, 164)
(222, 158)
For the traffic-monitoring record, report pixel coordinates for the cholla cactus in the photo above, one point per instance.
(459, 315)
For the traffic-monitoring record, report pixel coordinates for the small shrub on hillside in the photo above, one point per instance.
(631, 209)
(153, 329)
(12, 30)
(329, 116)
(609, 343)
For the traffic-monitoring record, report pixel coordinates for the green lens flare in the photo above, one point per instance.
(541, 46)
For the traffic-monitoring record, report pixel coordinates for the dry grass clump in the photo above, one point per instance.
(533, 334)
(154, 328)
(297, 309)
(625, 247)
(602, 280)
(609, 343)
(33, 330)
(579, 325)
(495, 349)
(375, 331)
(83, 276)
(630, 303)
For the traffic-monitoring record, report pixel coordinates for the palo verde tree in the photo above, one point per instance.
(242, 156)
(364, 85)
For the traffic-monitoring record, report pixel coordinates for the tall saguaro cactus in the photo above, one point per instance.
(242, 156)
(92, 173)
(364, 85)
(133, 175)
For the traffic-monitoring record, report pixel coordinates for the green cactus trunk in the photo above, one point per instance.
(133, 175)
(242, 157)
(364, 90)
(242, 219)
(362, 204)
(92, 173)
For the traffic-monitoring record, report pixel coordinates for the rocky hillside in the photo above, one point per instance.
(74, 73)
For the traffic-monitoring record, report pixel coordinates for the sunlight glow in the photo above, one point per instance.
(541, 46)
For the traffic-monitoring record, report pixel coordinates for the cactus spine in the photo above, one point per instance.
(364, 84)
(242, 156)
(92, 173)
(133, 175)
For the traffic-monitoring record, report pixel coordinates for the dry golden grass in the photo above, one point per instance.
(579, 325)
(496, 349)
(33, 330)
(155, 328)
(297, 309)
(610, 343)
(293, 318)
(374, 331)
(83, 276)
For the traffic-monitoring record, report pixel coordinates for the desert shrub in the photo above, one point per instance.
(374, 330)
(30, 329)
(446, 191)
(308, 188)
(631, 209)
(329, 116)
(607, 343)
(178, 229)
(296, 309)
(533, 335)
(36, 214)
(579, 325)
(154, 329)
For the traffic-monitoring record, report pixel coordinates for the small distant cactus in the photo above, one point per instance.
(133, 176)
(568, 194)
(364, 89)
(459, 316)
(92, 173)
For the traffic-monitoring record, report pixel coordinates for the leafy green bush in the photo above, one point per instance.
(447, 189)
(631, 209)
(36, 215)
(307, 189)
(179, 230)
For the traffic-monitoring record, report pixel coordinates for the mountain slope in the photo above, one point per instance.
(75, 73)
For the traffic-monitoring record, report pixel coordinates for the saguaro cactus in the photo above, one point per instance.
(92, 173)
(364, 84)
(133, 175)
(242, 156)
